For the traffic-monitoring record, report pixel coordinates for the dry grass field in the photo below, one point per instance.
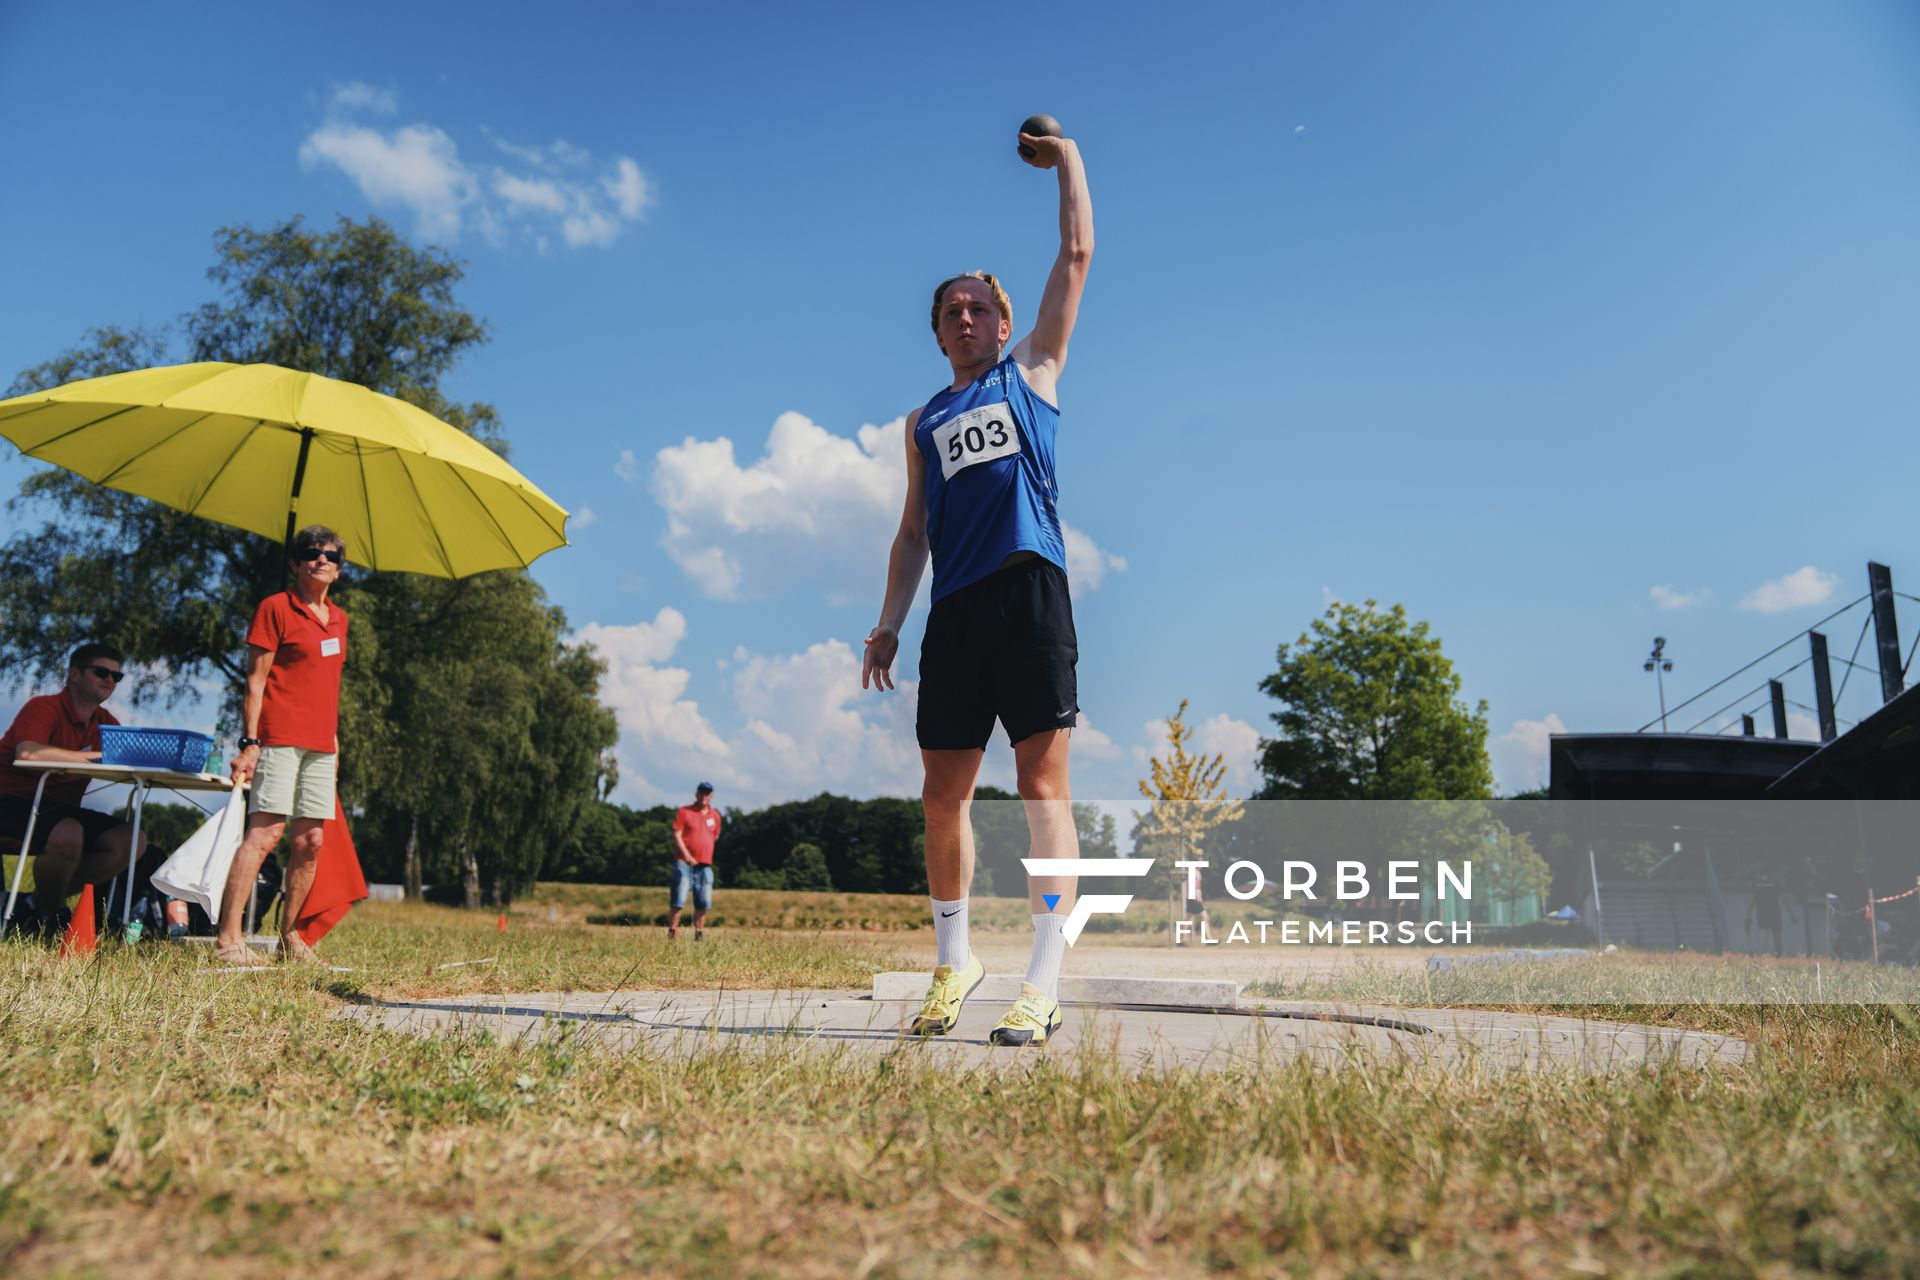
(858, 912)
(159, 1118)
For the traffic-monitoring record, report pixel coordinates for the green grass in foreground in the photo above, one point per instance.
(159, 1119)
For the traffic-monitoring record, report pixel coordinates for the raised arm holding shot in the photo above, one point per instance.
(1000, 641)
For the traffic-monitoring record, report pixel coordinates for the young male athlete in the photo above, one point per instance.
(1000, 642)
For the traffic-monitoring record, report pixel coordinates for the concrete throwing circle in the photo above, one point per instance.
(1142, 1033)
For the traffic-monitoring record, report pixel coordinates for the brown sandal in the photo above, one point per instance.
(240, 955)
(294, 950)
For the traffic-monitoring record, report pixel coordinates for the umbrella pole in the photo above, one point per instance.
(299, 478)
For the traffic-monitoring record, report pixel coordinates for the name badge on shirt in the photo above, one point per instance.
(978, 435)
(330, 647)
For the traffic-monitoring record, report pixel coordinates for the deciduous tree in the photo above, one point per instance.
(1187, 799)
(1370, 709)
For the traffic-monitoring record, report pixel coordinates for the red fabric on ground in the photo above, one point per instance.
(337, 880)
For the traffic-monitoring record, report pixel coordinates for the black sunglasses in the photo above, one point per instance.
(108, 673)
(314, 553)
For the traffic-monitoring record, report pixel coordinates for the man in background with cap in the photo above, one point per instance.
(695, 828)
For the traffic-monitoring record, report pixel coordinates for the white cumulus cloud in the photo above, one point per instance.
(589, 226)
(631, 191)
(1235, 741)
(1668, 597)
(1520, 754)
(559, 154)
(814, 508)
(1089, 743)
(662, 732)
(357, 96)
(416, 167)
(1087, 564)
(796, 724)
(811, 727)
(551, 194)
(1797, 590)
(529, 193)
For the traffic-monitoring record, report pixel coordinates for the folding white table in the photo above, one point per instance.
(142, 780)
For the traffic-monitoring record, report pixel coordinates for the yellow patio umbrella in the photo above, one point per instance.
(268, 449)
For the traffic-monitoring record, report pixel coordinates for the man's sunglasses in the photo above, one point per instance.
(108, 673)
(314, 553)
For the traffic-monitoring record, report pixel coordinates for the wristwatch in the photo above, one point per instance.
(249, 742)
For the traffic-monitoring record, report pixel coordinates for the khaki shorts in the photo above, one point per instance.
(295, 782)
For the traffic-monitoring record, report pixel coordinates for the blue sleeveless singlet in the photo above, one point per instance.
(990, 485)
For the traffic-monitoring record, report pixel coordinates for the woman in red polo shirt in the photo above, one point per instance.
(295, 651)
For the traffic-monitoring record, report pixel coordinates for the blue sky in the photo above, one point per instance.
(1563, 326)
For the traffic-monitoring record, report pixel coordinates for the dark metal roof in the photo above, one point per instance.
(1668, 766)
(1877, 759)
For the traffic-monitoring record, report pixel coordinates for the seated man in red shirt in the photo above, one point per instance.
(72, 847)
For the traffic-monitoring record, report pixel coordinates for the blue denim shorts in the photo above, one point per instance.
(699, 880)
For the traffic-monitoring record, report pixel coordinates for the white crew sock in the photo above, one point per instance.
(949, 931)
(1049, 949)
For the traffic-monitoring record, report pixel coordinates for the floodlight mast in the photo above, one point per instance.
(1659, 664)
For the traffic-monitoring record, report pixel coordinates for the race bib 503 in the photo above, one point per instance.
(978, 435)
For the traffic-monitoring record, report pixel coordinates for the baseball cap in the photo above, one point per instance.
(705, 786)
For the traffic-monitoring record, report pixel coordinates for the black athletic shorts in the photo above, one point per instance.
(1001, 649)
(14, 811)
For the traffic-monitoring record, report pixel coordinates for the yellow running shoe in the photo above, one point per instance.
(949, 991)
(1031, 1020)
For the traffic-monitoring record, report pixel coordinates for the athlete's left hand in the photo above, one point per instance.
(1046, 150)
(876, 669)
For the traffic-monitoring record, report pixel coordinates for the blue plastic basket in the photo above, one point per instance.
(180, 750)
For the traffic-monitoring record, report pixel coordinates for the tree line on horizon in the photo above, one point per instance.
(826, 842)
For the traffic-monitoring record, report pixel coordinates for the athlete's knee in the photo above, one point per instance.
(942, 799)
(1042, 784)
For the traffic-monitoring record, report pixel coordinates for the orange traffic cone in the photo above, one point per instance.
(503, 922)
(81, 937)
